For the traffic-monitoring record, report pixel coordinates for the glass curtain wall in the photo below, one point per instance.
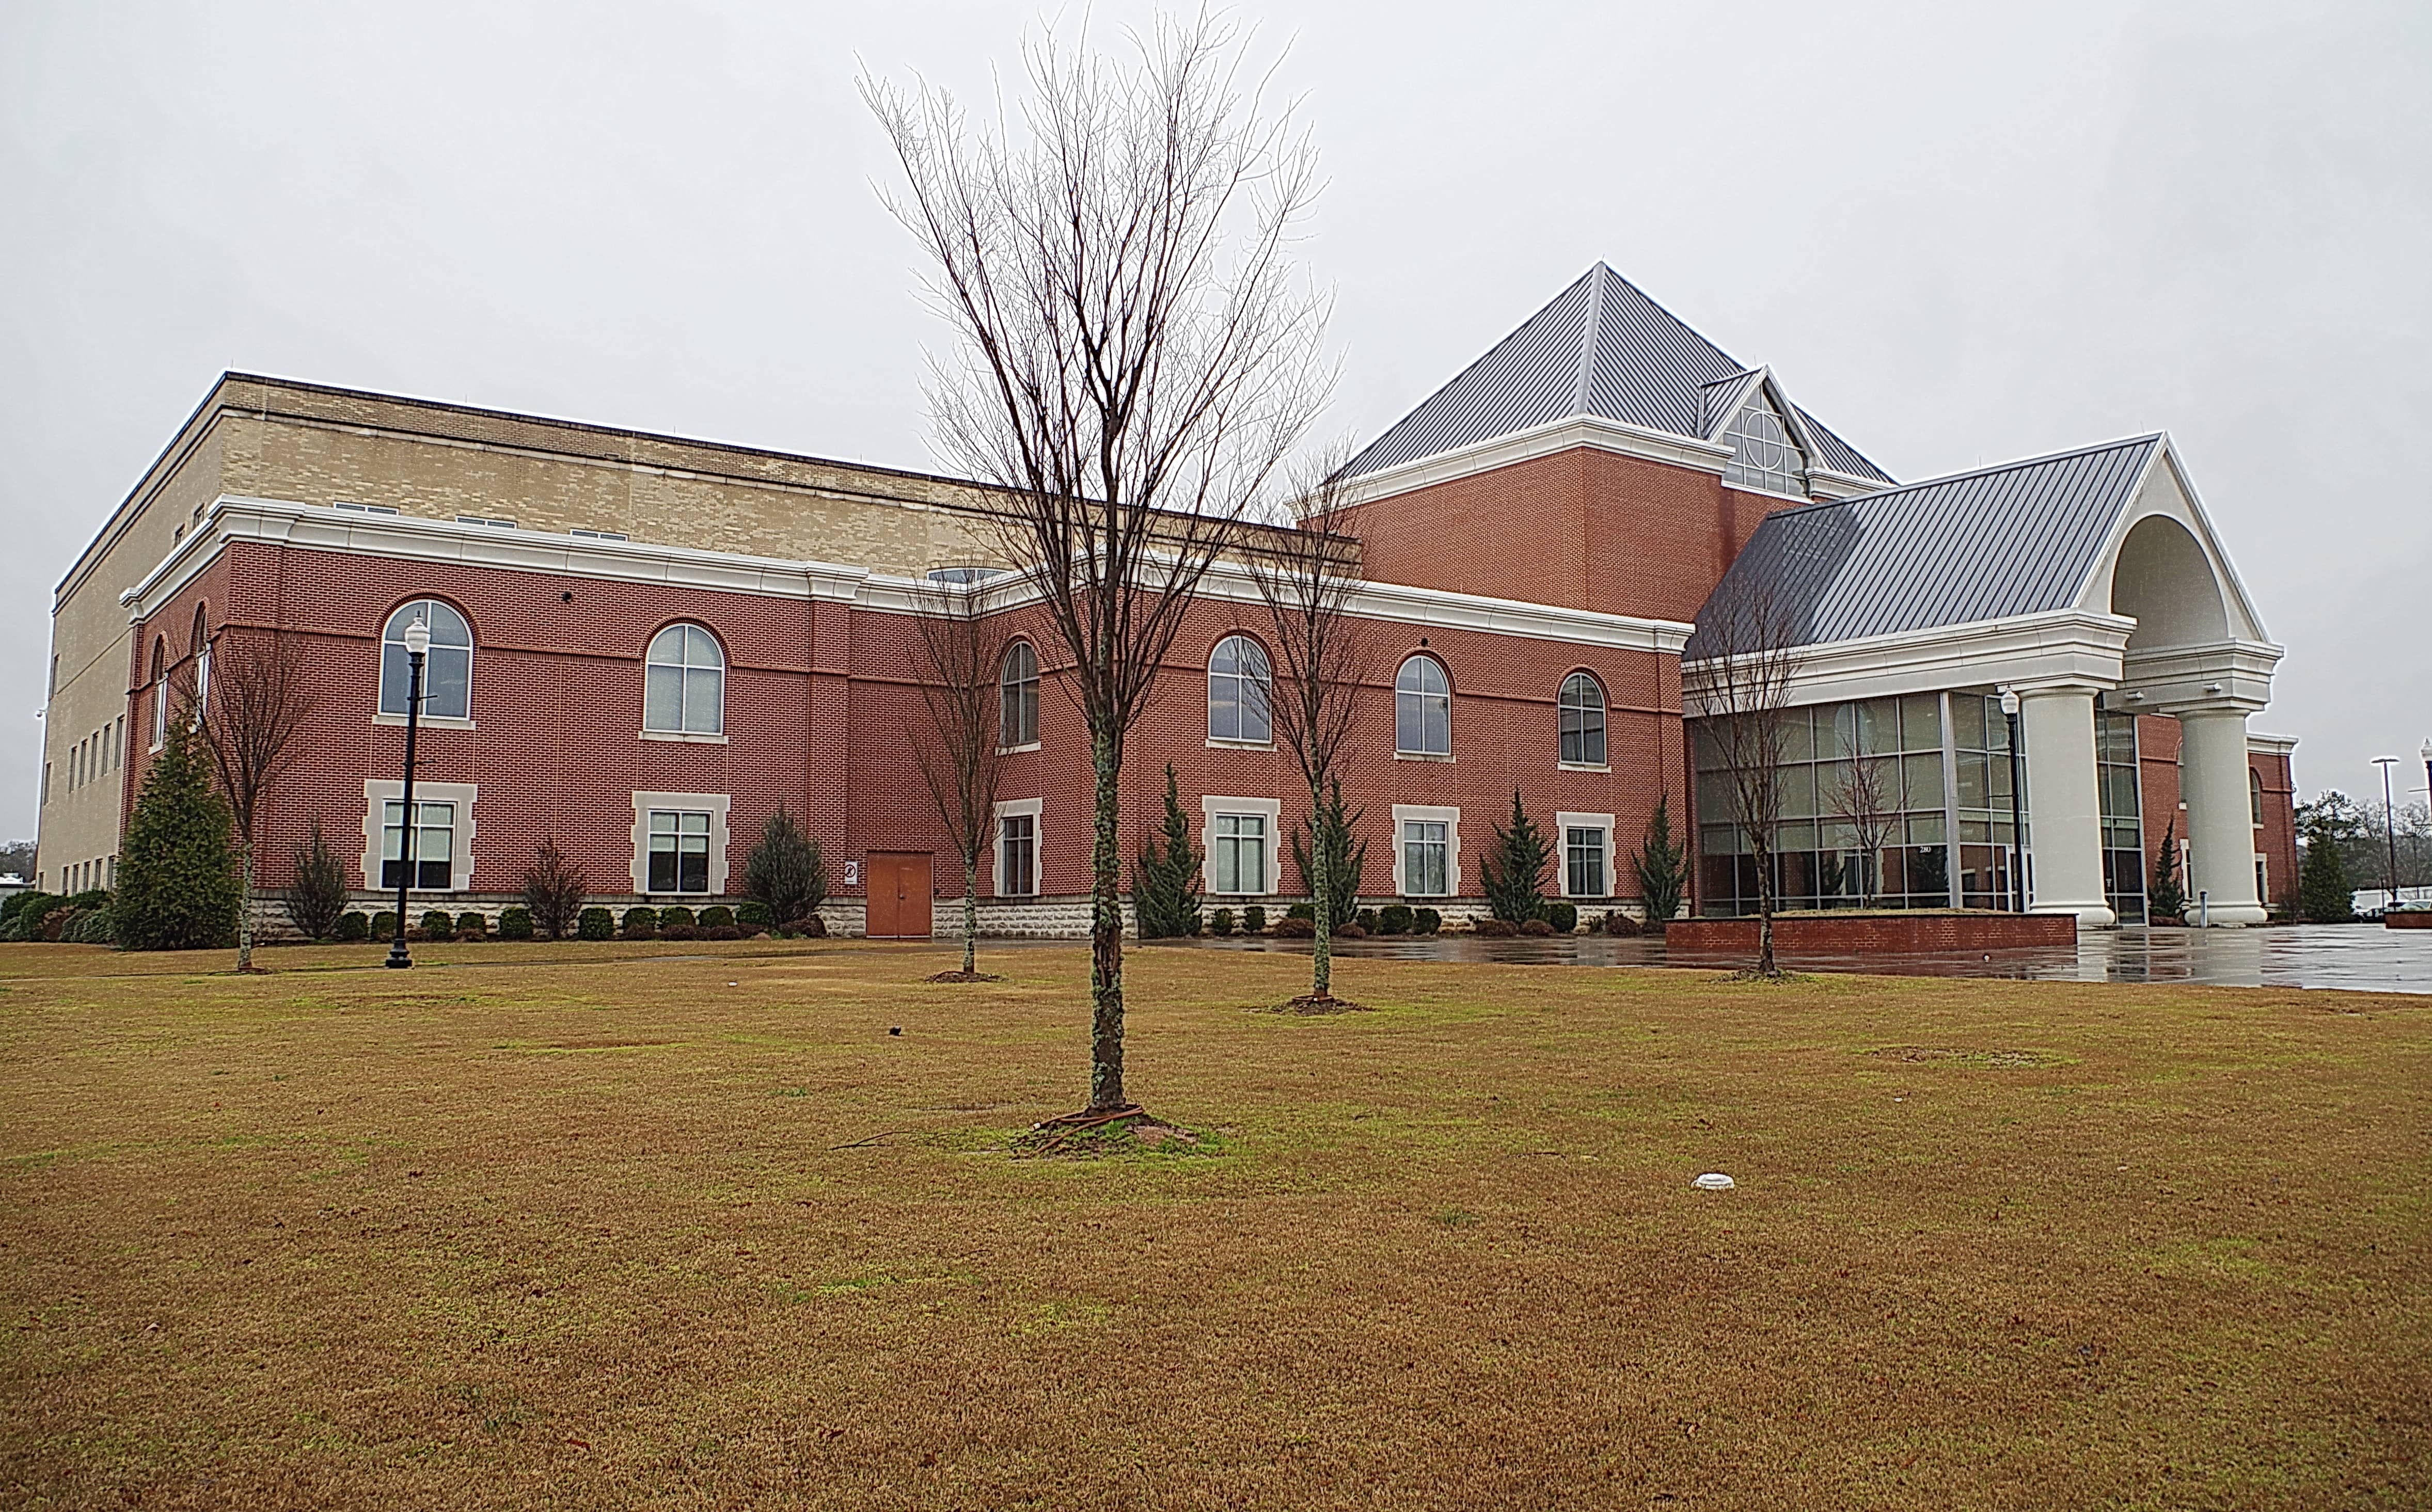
(2123, 822)
(1888, 802)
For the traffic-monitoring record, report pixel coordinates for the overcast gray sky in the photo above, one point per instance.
(1960, 234)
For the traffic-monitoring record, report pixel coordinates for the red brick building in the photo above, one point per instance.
(644, 646)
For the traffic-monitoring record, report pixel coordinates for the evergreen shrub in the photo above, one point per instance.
(1426, 921)
(471, 926)
(177, 887)
(1396, 919)
(1564, 917)
(1515, 868)
(438, 924)
(354, 926)
(640, 924)
(318, 895)
(1302, 911)
(785, 871)
(676, 917)
(1165, 880)
(594, 923)
(515, 924)
(384, 925)
(1219, 923)
(1333, 829)
(1366, 920)
(716, 917)
(1254, 919)
(755, 915)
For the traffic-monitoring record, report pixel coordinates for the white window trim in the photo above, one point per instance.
(716, 803)
(426, 722)
(1013, 808)
(1016, 750)
(1450, 819)
(1271, 810)
(1218, 743)
(1563, 823)
(378, 793)
(683, 738)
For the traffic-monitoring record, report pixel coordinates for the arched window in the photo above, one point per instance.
(1017, 688)
(446, 672)
(685, 691)
(1422, 709)
(2255, 794)
(159, 691)
(201, 646)
(1583, 713)
(1238, 685)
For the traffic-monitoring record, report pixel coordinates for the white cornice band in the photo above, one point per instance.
(318, 528)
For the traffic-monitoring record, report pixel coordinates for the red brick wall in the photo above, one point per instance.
(823, 715)
(2277, 839)
(1878, 934)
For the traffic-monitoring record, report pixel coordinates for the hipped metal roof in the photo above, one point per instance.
(2016, 539)
(1600, 348)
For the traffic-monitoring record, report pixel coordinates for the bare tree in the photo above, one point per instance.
(1867, 798)
(962, 758)
(1307, 577)
(259, 698)
(1135, 363)
(1738, 674)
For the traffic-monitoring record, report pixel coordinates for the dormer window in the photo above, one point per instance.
(1765, 455)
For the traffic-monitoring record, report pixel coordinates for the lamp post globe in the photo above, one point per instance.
(417, 646)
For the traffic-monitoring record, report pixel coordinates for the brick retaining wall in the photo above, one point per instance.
(1879, 933)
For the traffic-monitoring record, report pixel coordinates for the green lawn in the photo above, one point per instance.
(612, 1225)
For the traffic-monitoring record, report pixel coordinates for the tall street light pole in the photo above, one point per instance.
(2018, 828)
(418, 646)
(2388, 823)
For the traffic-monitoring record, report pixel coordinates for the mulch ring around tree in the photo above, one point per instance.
(1309, 1004)
(1089, 1135)
(963, 976)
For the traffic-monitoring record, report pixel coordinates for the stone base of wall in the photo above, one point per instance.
(1890, 933)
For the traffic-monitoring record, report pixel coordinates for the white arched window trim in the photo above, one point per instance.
(1017, 690)
(1584, 725)
(1422, 710)
(1241, 687)
(684, 693)
(447, 667)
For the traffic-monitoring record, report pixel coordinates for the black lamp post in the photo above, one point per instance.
(2018, 827)
(2388, 823)
(418, 646)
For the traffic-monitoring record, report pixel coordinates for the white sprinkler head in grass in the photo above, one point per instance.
(1714, 1180)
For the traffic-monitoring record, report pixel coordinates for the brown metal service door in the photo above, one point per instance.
(899, 896)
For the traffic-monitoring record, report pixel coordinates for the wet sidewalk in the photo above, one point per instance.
(2353, 957)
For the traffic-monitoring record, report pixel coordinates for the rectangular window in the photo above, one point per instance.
(1016, 853)
(434, 845)
(596, 535)
(679, 851)
(1426, 854)
(1240, 847)
(366, 509)
(1583, 862)
(483, 519)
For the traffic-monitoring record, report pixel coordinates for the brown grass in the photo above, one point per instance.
(628, 1225)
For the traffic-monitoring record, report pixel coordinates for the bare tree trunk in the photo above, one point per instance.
(1321, 867)
(1107, 935)
(971, 911)
(245, 906)
(1765, 963)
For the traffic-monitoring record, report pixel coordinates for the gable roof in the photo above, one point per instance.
(2016, 539)
(1601, 347)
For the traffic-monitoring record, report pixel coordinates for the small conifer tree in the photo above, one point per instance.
(1515, 868)
(785, 871)
(1165, 881)
(177, 887)
(2325, 893)
(2165, 899)
(1345, 860)
(1663, 867)
(318, 895)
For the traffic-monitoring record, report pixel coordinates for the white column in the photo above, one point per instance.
(2063, 805)
(2220, 819)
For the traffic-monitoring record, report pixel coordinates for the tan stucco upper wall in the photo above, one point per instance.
(88, 639)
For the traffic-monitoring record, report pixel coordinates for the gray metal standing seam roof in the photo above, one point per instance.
(2015, 539)
(1601, 347)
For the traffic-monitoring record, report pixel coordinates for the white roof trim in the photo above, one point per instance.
(1590, 431)
(2066, 645)
(405, 537)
